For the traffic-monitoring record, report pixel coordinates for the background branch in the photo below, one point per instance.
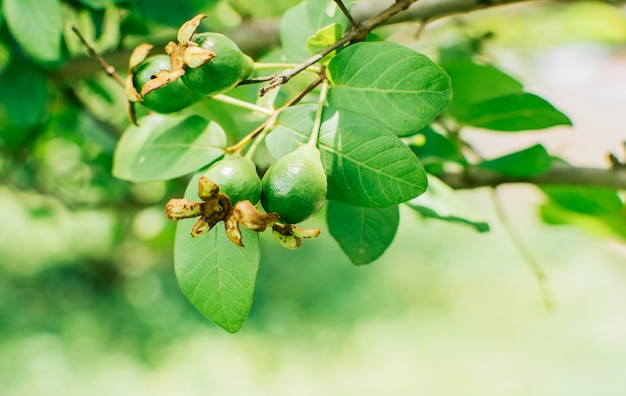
(559, 174)
(254, 36)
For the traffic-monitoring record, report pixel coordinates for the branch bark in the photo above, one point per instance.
(559, 174)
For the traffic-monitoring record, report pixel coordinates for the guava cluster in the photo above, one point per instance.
(294, 187)
(228, 68)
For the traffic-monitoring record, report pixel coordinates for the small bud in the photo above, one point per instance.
(177, 209)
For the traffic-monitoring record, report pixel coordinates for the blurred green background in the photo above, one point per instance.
(89, 303)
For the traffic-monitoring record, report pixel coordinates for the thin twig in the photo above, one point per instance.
(531, 261)
(358, 33)
(237, 147)
(420, 29)
(345, 11)
(108, 69)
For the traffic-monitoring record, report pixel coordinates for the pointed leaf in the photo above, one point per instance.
(362, 233)
(216, 276)
(394, 86)
(164, 147)
(365, 165)
(441, 202)
(515, 112)
(37, 25)
(531, 161)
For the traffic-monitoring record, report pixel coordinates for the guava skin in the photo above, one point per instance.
(170, 98)
(295, 186)
(228, 68)
(237, 178)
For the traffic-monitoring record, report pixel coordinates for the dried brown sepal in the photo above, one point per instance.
(177, 209)
(232, 231)
(139, 54)
(286, 240)
(249, 217)
(304, 232)
(130, 112)
(195, 57)
(131, 92)
(200, 227)
(207, 188)
(188, 29)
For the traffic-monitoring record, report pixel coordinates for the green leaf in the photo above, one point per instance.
(585, 200)
(365, 165)
(165, 147)
(303, 21)
(96, 4)
(362, 233)
(324, 38)
(24, 95)
(531, 161)
(37, 25)
(392, 85)
(433, 148)
(469, 82)
(516, 112)
(442, 203)
(598, 210)
(216, 276)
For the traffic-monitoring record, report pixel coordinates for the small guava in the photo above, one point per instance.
(170, 98)
(237, 177)
(295, 186)
(228, 68)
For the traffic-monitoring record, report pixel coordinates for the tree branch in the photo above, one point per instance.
(254, 36)
(559, 174)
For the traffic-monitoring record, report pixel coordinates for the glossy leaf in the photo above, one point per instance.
(365, 165)
(531, 161)
(216, 276)
(515, 112)
(37, 25)
(441, 202)
(362, 233)
(303, 21)
(392, 85)
(163, 147)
